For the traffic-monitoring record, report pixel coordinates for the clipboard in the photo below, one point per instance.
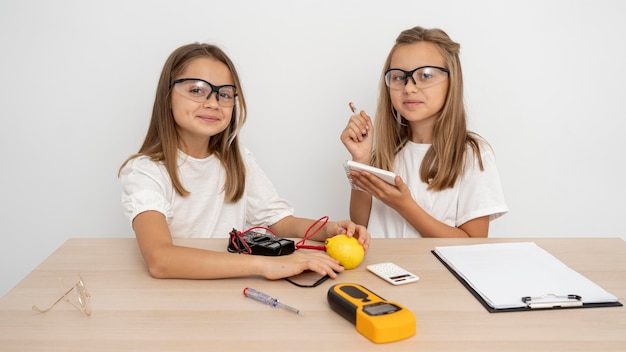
(510, 277)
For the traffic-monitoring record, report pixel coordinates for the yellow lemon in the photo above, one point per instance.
(347, 250)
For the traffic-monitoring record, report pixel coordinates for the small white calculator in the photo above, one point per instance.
(392, 273)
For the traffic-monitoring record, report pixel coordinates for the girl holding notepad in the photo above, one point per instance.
(447, 183)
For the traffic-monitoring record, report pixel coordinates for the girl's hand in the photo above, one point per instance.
(290, 265)
(392, 196)
(358, 136)
(351, 230)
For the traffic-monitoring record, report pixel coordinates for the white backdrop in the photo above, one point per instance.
(544, 84)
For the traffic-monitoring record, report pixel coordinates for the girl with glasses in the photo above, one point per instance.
(447, 184)
(191, 178)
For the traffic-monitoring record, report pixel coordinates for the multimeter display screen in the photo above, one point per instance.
(380, 308)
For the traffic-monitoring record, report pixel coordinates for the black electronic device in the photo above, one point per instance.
(256, 243)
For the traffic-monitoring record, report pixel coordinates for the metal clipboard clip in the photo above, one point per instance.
(553, 301)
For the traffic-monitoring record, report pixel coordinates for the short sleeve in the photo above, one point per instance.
(264, 206)
(480, 191)
(145, 186)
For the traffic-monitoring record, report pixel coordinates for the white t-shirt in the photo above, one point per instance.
(146, 185)
(477, 193)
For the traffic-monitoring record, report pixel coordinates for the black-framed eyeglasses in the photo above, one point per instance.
(199, 90)
(422, 77)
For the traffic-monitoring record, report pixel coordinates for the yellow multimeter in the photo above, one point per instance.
(377, 319)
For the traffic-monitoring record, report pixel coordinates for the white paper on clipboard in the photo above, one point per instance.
(504, 273)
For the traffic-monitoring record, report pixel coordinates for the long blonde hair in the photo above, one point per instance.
(443, 164)
(162, 140)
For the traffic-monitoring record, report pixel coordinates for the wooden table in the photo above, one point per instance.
(134, 312)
